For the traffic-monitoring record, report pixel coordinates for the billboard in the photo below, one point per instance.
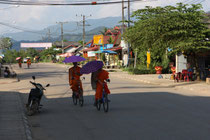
(36, 45)
(91, 53)
(97, 39)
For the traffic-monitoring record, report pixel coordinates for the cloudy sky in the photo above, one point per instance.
(39, 17)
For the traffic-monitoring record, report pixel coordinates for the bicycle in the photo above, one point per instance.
(78, 96)
(104, 100)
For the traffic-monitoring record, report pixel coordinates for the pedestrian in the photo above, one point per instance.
(74, 78)
(101, 76)
(28, 62)
(6, 72)
(20, 63)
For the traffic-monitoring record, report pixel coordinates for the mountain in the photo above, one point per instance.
(69, 37)
(68, 28)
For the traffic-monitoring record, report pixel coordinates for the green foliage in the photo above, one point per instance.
(103, 57)
(49, 54)
(180, 28)
(141, 70)
(31, 52)
(10, 56)
(81, 42)
(110, 40)
(5, 43)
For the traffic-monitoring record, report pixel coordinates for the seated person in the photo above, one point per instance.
(6, 72)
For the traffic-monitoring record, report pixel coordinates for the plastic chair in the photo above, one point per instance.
(178, 76)
(185, 75)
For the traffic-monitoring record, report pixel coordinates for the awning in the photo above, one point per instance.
(105, 51)
(91, 49)
(115, 49)
(66, 54)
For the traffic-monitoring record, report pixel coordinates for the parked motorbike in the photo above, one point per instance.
(34, 98)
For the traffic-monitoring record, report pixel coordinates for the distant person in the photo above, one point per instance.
(28, 62)
(20, 63)
(6, 72)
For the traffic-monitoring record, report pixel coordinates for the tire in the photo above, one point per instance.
(81, 100)
(98, 105)
(33, 108)
(106, 103)
(74, 99)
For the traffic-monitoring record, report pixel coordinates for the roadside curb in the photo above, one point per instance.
(186, 86)
(25, 121)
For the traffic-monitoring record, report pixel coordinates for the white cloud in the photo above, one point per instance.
(38, 17)
(109, 11)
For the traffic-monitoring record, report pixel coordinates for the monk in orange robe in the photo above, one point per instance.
(101, 76)
(28, 62)
(20, 63)
(74, 78)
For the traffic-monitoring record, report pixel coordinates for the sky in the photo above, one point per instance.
(39, 17)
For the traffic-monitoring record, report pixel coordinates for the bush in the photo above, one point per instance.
(139, 71)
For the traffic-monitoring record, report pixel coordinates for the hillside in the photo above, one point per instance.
(74, 28)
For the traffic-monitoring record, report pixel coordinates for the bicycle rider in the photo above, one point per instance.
(101, 76)
(74, 78)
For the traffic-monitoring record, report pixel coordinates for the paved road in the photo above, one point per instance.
(137, 111)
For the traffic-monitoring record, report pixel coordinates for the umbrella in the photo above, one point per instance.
(91, 66)
(73, 58)
(18, 58)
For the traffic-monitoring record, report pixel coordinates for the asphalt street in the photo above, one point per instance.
(137, 111)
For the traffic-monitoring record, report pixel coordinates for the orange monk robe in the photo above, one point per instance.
(29, 61)
(102, 76)
(20, 63)
(74, 78)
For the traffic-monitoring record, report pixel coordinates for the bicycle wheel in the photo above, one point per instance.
(98, 105)
(81, 100)
(106, 103)
(74, 99)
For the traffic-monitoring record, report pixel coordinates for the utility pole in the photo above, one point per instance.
(61, 23)
(123, 16)
(49, 37)
(83, 37)
(128, 27)
(83, 29)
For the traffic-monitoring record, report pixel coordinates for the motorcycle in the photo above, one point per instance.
(34, 98)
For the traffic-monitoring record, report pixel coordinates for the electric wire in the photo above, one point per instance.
(13, 2)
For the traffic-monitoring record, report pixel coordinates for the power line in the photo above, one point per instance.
(13, 2)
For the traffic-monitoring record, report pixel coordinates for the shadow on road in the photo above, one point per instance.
(148, 115)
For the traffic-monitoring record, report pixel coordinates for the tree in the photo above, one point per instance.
(50, 52)
(5, 43)
(110, 40)
(31, 52)
(180, 28)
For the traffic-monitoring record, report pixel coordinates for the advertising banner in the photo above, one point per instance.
(91, 54)
(97, 39)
